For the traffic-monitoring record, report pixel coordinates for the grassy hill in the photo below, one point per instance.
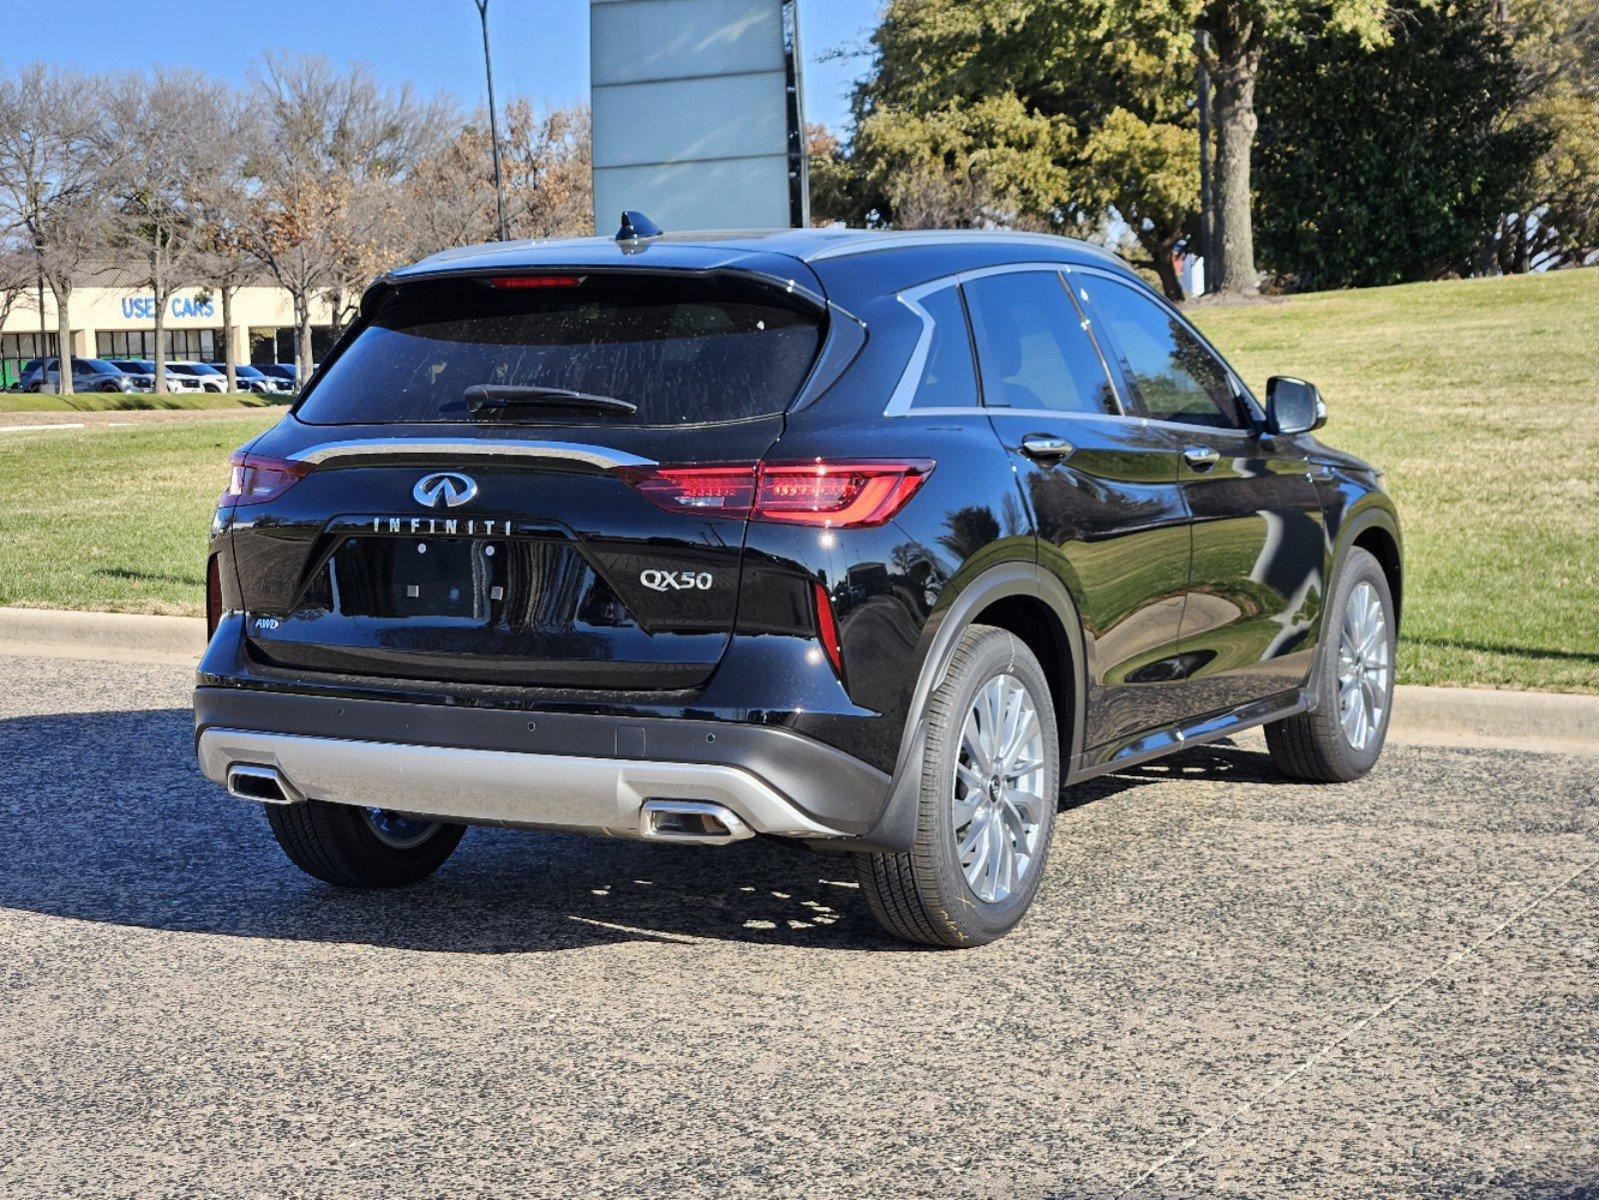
(1480, 399)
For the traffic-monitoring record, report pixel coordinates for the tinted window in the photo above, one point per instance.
(685, 351)
(96, 366)
(949, 380)
(1032, 346)
(1177, 378)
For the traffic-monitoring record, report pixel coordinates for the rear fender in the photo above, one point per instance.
(896, 829)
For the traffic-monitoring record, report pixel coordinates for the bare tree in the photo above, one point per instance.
(53, 168)
(546, 165)
(221, 195)
(549, 178)
(337, 144)
(154, 184)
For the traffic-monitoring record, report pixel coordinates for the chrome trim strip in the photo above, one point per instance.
(602, 457)
(899, 401)
(501, 787)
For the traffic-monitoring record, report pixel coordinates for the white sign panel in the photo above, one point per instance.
(696, 113)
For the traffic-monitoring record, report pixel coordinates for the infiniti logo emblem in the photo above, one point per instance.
(447, 489)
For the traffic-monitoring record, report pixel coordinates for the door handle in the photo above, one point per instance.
(1046, 448)
(1200, 458)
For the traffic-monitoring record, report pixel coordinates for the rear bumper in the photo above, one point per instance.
(569, 771)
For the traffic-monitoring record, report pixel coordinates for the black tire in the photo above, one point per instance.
(336, 843)
(923, 895)
(1313, 746)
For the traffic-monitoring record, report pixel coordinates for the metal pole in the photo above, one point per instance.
(1207, 232)
(494, 121)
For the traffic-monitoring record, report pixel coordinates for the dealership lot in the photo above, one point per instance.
(1230, 985)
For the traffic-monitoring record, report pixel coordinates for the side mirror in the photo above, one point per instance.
(1293, 406)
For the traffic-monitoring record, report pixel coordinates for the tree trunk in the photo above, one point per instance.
(228, 364)
(160, 344)
(63, 342)
(1234, 82)
(302, 340)
(1160, 251)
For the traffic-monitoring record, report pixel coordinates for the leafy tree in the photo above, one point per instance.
(1553, 216)
(1033, 112)
(1391, 164)
(1232, 37)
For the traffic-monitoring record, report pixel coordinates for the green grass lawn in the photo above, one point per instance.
(114, 519)
(130, 401)
(1480, 399)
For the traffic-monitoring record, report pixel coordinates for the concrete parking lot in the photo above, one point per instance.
(1231, 986)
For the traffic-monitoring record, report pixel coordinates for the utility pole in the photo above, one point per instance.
(1207, 204)
(494, 120)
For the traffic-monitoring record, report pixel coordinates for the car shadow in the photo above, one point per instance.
(1223, 760)
(106, 818)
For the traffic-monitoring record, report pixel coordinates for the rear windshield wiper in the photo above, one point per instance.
(492, 397)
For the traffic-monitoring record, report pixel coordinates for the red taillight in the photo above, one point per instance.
(213, 595)
(838, 495)
(724, 491)
(256, 479)
(534, 281)
(827, 630)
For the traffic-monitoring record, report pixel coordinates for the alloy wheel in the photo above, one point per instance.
(1365, 666)
(997, 792)
(398, 831)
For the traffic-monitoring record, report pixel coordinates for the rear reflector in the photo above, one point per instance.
(213, 595)
(255, 479)
(534, 281)
(836, 494)
(827, 630)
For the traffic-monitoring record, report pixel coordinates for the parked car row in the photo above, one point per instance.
(138, 375)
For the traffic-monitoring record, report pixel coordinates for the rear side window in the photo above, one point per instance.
(949, 380)
(1177, 378)
(1033, 348)
(685, 351)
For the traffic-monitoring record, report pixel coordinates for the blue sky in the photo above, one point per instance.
(540, 46)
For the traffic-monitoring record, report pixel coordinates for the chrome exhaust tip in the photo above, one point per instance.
(691, 821)
(265, 785)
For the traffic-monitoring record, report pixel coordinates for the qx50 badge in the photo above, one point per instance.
(676, 581)
(447, 489)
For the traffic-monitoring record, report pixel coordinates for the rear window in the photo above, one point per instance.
(684, 351)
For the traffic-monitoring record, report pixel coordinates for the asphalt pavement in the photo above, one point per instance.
(1230, 986)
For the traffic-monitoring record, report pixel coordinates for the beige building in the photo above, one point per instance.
(119, 322)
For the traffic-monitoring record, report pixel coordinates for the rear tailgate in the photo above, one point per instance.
(391, 530)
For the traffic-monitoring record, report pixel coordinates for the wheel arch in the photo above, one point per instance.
(1037, 609)
(1376, 531)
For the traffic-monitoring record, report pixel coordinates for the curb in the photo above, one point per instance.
(60, 633)
(1495, 720)
(1423, 716)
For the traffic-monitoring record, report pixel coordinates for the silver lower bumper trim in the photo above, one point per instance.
(497, 787)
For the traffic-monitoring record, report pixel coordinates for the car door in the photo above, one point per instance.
(1103, 489)
(1259, 541)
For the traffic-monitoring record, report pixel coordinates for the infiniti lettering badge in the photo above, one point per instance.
(447, 489)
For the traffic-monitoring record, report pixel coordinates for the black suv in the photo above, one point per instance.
(867, 541)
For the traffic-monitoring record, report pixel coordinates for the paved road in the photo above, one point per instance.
(1232, 987)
